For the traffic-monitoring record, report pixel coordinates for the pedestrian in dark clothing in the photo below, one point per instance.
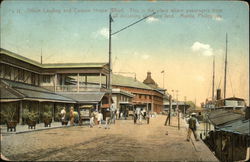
(135, 118)
(147, 117)
(192, 122)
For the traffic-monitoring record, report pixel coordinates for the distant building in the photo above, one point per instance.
(145, 96)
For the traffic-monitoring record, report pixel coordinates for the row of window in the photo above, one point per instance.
(141, 96)
(21, 75)
(125, 99)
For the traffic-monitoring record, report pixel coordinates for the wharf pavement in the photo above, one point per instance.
(124, 141)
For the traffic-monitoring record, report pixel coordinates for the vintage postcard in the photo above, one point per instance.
(124, 80)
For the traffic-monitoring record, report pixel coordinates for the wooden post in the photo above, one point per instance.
(100, 80)
(170, 108)
(178, 119)
(77, 82)
(53, 112)
(21, 112)
(55, 82)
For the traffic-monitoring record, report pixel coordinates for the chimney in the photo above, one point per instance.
(218, 94)
(247, 115)
(149, 75)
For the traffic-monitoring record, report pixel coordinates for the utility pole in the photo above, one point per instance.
(170, 108)
(225, 72)
(110, 68)
(178, 111)
(110, 56)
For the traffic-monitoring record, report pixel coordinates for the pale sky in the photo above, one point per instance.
(181, 39)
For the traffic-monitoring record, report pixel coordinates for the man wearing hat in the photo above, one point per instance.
(192, 127)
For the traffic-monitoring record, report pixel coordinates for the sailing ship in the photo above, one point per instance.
(227, 103)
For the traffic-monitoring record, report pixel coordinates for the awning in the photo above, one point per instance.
(42, 96)
(13, 91)
(9, 95)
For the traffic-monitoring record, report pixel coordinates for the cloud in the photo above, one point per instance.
(103, 32)
(145, 57)
(151, 19)
(205, 49)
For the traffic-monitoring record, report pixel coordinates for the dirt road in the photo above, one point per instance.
(123, 141)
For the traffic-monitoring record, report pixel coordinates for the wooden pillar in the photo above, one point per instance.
(106, 81)
(86, 79)
(55, 82)
(100, 80)
(21, 112)
(77, 82)
(39, 111)
(53, 112)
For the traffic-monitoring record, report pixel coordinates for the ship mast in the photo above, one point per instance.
(225, 72)
(213, 79)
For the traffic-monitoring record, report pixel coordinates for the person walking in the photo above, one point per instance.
(99, 119)
(192, 122)
(147, 117)
(71, 115)
(117, 114)
(135, 117)
(63, 114)
(108, 116)
(140, 116)
(91, 119)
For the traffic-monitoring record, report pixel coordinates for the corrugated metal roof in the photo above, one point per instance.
(52, 65)
(120, 80)
(42, 95)
(85, 97)
(6, 93)
(33, 92)
(19, 57)
(239, 126)
(14, 84)
(74, 65)
(220, 117)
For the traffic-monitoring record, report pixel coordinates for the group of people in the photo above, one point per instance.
(98, 117)
(73, 115)
(140, 114)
